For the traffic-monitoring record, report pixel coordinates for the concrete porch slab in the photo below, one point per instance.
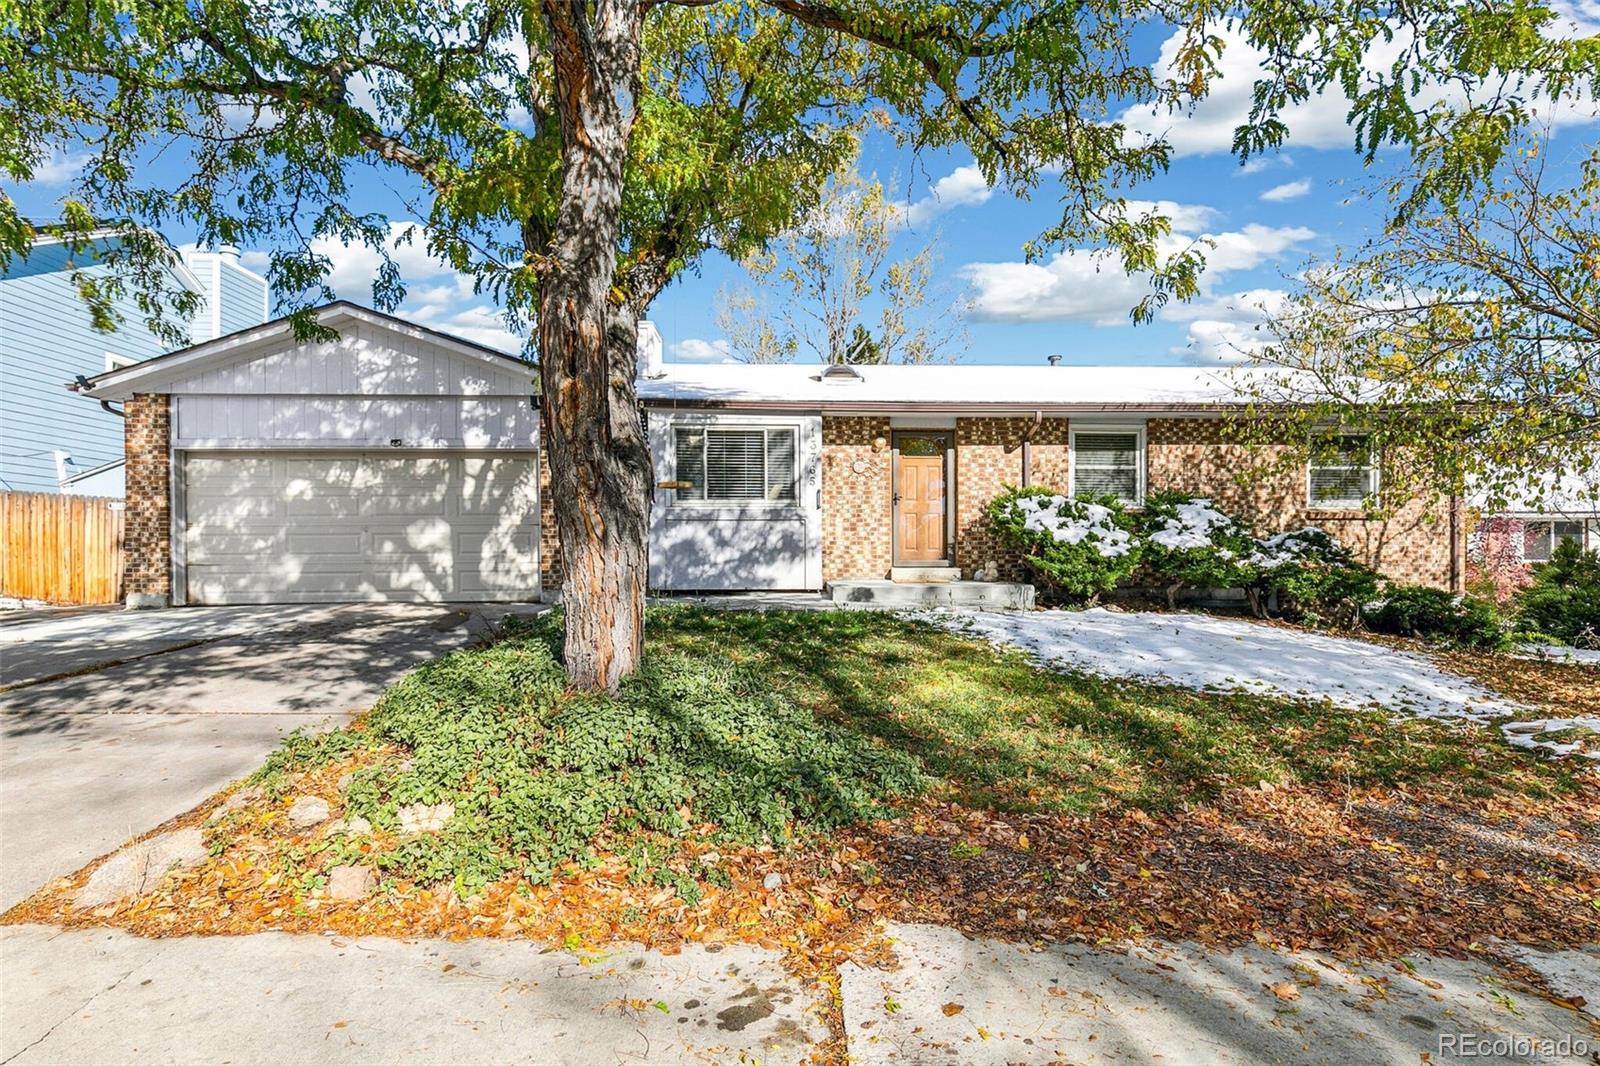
(896, 596)
(924, 575)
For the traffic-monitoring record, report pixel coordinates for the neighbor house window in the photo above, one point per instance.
(735, 464)
(1343, 475)
(1540, 539)
(1108, 461)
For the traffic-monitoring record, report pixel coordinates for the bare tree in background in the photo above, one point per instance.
(808, 294)
(1464, 339)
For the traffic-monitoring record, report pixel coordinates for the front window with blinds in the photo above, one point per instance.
(744, 464)
(1343, 474)
(1108, 461)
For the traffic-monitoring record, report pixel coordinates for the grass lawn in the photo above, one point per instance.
(997, 732)
(791, 778)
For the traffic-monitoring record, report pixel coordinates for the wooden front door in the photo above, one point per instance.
(921, 520)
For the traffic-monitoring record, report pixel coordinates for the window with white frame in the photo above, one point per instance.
(117, 362)
(1108, 460)
(1540, 539)
(1342, 473)
(735, 464)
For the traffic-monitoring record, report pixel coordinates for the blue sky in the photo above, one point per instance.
(1266, 218)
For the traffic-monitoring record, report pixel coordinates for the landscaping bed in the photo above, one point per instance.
(793, 779)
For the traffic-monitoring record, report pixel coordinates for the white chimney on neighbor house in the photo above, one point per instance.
(649, 350)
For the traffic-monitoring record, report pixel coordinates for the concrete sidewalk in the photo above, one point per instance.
(976, 1002)
(102, 996)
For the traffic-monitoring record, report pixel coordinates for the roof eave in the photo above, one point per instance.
(865, 407)
(121, 383)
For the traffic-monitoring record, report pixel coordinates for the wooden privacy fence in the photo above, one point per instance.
(60, 549)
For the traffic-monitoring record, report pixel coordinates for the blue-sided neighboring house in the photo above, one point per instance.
(52, 440)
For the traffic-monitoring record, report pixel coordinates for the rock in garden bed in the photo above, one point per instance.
(139, 868)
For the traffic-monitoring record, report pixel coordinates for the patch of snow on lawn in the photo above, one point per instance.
(1206, 652)
(1585, 656)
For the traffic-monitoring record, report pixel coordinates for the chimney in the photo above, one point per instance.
(649, 351)
(1054, 360)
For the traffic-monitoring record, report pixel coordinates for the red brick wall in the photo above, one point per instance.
(147, 536)
(1412, 545)
(857, 488)
(1191, 455)
(857, 539)
(549, 538)
(988, 459)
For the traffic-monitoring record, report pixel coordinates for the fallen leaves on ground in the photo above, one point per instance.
(1370, 872)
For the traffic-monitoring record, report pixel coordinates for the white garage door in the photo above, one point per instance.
(327, 528)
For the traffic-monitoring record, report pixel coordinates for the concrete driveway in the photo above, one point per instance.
(113, 722)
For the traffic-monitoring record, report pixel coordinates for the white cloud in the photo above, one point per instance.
(1185, 218)
(695, 350)
(480, 323)
(1071, 287)
(59, 169)
(1257, 164)
(1228, 328)
(1578, 18)
(1248, 305)
(354, 266)
(1085, 286)
(436, 295)
(1248, 247)
(1211, 341)
(1289, 190)
(962, 187)
(1321, 121)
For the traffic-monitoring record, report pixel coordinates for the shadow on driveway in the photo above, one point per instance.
(90, 760)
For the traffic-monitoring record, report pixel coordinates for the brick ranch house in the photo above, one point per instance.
(399, 463)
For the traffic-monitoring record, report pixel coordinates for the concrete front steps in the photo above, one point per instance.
(902, 595)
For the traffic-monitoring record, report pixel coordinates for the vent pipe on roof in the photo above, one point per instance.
(1054, 360)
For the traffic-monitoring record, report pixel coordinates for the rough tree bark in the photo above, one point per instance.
(599, 461)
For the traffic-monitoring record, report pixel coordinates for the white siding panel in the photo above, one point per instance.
(488, 422)
(365, 361)
(292, 528)
(736, 548)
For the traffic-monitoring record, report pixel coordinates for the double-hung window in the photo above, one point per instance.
(1540, 539)
(735, 464)
(1108, 460)
(1342, 474)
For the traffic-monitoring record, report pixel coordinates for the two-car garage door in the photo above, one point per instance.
(267, 527)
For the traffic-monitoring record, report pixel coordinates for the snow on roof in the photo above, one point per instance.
(1575, 494)
(962, 387)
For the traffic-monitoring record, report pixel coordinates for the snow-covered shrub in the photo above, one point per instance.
(1312, 576)
(1080, 548)
(1188, 543)
(1434, 614)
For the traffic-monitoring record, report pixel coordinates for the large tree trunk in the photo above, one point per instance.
(599, 462)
